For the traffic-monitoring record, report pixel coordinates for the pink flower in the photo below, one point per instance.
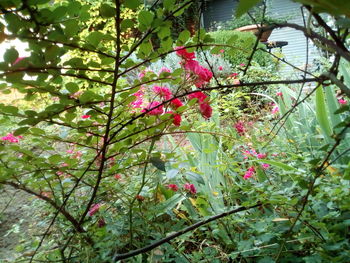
(70, 151)
(265, 166)
(222, 51)
(156, 111)
(342, 101)
(176, 103)
(163, 92)
(220, 68)
(85, 116)
(117, 176)
(197, 95)
(239, 126)
(249, 173)
(204, 75)
(11, 138)
(139, 99)
(279, 94)
(242, 65)
(164, 69)
(261, 155)
(191, 188)
(173, 187)
(275, 110)
(76, 95)
(94, 209)
(233, 75)
(182, 52)
(206, 110)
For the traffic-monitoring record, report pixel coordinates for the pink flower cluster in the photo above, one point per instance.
(190, 188)
(239, 126)
(204, 106)
(202, 74)
(11, 138)
(187, 186)
(249, 173)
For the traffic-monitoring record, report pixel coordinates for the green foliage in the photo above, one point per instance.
(99, 144)
(238, 47)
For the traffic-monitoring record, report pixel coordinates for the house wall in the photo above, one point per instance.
(294, 52)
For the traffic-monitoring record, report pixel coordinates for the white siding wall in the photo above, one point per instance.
(295, 51)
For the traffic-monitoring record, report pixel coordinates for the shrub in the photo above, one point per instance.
(243, 46)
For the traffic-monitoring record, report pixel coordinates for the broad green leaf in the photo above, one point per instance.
(158, 163)
(146, 18)
(132, 4)
(321, 112)
(107, 10)
(20, 131)
(10, 55)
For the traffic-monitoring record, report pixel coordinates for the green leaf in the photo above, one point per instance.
(95, 38)
(132, 4)
(244, 6)
(168, 4)
(321, 112)
(72, 87)
(158, 163)
(184, 37)
(20, 131)
(278, 164)
(146, 18)
(10, 55)
(107, 11)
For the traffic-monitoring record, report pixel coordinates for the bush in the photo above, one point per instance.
(244, 44)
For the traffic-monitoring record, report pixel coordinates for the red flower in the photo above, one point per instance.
(220, 68)
(117, 176)
(239, 126)
(206, 110)
(173, 187)
(85, 116)
(182, 52)
(156, 111)
(176, 103)
(176, 118)
(140, 198)
(191, 188)
(197, 95)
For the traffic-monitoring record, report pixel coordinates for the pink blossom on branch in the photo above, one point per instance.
(182, 52)
(176, 103)
(265, 166)
(158, 110)
(163, 92)
(176, 118)
(85, 116)
(11, 138)
(200, 96)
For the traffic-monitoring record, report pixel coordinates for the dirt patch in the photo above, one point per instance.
(15, 219)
